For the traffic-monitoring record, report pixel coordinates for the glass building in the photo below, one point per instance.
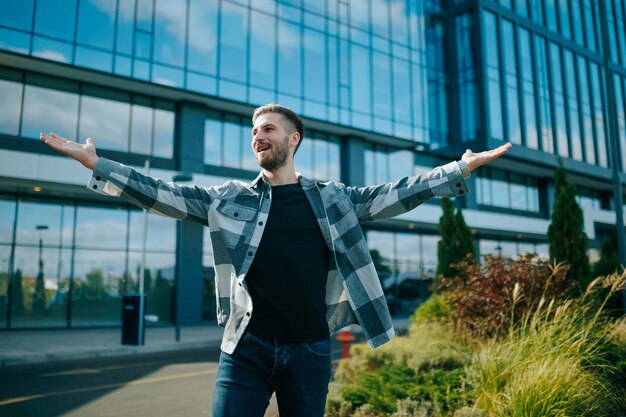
(387, 88)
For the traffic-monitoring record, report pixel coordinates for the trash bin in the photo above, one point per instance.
(133, 322)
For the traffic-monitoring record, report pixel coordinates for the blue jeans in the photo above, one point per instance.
(299, 373)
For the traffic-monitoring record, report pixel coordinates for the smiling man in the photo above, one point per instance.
(291, 261)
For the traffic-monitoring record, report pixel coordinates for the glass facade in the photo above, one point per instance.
(388, 88)
(68, 264)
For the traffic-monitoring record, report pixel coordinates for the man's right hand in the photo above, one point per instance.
(85, 154)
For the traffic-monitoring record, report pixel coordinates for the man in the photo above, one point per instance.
(291, 262)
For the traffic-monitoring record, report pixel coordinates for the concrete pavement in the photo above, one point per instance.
(21, 347)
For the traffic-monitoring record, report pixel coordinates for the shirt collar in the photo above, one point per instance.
(261, 179)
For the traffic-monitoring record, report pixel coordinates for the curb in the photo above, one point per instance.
(42, 358)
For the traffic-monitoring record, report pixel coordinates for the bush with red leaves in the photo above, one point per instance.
(487, 299)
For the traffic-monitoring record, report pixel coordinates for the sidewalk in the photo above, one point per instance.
(20, 347)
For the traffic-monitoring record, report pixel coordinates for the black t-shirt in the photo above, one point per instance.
(287, 280)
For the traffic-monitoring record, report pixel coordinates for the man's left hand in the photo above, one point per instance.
(475, 160)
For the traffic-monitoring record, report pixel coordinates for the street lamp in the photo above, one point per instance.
(39, 301)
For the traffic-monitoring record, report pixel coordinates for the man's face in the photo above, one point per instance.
(271, 141)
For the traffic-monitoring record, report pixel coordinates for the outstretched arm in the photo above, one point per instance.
(183, 202)
(85, 154)
(393, 199)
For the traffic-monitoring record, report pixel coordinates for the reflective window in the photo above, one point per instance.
(550, 7)
(163, 129)
(510, 249)
(621, 31)
(559, 101)
(493, 76)
(597, 91)
(610, 20)
(142, 121)
(262, 50)
(232, 143)
(577, 22)
(203, 36)
(314, 66)
(18, 15)
(96, 116)
(383, 164)
(170, 27)
(49, 110)
(572, 95)
(63, 15)
(521, 7)
(528, 90)
(289, 59)
(382, 87)
(213, 141)
(564, 18)
(92, 14)
(545, 114)
(536, 10)
(507, 190)
(7, 218)
(590, 27)
(401, 98)
(430, 119)
(51, 49)
(233, 41)
(361, 97)
(466, 78)
(10, 106)
(587, 111)
(514, 133)
(621, 118)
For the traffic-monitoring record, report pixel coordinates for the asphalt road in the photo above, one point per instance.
(169, 384)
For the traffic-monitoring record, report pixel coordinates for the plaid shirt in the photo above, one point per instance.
(236, 214)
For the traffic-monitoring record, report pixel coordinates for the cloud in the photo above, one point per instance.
(51, 55)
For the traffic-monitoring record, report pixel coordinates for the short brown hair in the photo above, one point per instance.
(289, 115)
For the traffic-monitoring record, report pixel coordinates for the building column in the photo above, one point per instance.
(353, 161)
(189, 151)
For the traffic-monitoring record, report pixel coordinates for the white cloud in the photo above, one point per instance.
(51, 55)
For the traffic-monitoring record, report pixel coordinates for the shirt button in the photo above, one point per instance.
(267, 196)
(260, 223)
(249, 253)
(98, 178)
(458, 184)
(461, 192)
(236, 214)
(240, 284)
(248, 314)
(95, 187)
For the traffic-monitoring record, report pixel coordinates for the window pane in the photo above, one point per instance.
(233, 38)
(587, 112)
(559, 101)
(101, 228)
(597, 91)
(18, 15)
(98, 284)
(163, 133)
(92, 14)
(213, 142)
(493, 74)
(361, 79)
(202, 39)
(528, 89)
(510, 74)
(545, 114)
(382, 85)
(10, 106)
(52, 50)
(7, 217)
(466, 78)
(125, 26)
(56, 18)
(401, 92)
(314, 66)
(574, 124)
(262, 50)
(141, 129)
(107, 121)
(232, 144)
(48, 110)
(170, 28)
(289, 59)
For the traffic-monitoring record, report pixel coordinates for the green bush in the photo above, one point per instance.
(435, 309)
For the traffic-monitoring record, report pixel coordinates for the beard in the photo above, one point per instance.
(278, 156)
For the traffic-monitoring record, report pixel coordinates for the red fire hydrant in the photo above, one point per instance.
(346, 337)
